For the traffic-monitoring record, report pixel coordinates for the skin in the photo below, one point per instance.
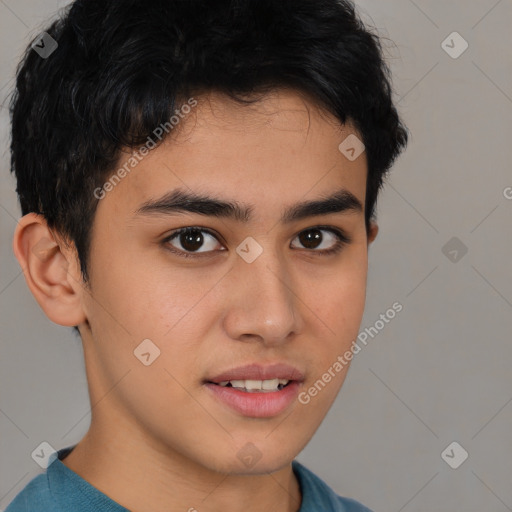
(158, 439)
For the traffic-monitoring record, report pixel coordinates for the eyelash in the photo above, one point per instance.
(342, 240)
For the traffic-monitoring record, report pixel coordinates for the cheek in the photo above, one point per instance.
(339, 302)
(141, 298)
(339, 315)
(130, 305)
(133, 303)
(340, 294)
(348, 301)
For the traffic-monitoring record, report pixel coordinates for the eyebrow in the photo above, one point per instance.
(180, 201)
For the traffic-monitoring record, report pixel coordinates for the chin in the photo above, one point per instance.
(250, 461)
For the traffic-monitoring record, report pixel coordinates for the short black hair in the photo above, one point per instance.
(122, 67)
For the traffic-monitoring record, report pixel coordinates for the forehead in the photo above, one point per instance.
(277, 150)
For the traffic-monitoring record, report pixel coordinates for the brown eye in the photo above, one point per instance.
(322, 240)
(192, 240)
(311, 238)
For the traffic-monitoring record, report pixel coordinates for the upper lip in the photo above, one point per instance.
(259, 372)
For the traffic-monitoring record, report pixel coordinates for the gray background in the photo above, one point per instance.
(439, 371)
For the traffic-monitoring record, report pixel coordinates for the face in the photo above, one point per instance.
(253, 287)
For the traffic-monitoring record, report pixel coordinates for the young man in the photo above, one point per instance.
(198, 182)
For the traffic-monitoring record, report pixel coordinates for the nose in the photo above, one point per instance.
(263, 304)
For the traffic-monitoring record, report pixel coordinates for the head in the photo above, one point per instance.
(267, 128)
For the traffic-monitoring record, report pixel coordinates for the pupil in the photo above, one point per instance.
(191, 240)
(311, 238)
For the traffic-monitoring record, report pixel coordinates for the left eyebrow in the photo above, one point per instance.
(179, 201)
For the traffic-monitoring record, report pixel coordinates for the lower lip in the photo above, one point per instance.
(256, 405)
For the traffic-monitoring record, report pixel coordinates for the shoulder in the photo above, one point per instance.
(34, 496)
(317, 495)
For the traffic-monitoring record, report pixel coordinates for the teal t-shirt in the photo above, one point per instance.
(60, 489)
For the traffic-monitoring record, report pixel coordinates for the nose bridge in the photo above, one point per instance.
(264, 304)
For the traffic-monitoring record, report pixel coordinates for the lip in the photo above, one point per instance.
(257, 405)
(259, 372)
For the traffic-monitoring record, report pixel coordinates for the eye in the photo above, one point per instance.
(314, 239)
(191, 241)
(196, 242)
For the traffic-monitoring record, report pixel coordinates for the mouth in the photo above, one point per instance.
(257, 391)
(256, 386)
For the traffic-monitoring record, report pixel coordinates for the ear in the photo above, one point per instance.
(51, 270)
(372, 232)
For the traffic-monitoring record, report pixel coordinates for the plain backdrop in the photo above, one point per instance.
(439, 372)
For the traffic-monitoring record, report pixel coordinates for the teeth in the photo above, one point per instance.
(256, 385)
(253, 384)
(270, 384)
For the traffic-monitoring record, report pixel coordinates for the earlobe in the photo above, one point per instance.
(50, 270)
(372, 232)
